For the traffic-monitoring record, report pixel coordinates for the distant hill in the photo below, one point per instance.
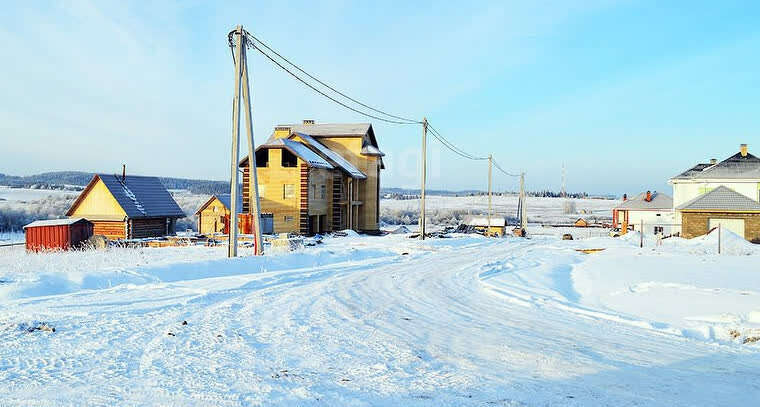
(74, 179)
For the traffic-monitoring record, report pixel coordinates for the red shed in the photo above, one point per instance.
(61, 234)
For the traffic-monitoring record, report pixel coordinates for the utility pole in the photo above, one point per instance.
(241, 74)
(523, 218)
(563, 192)
(488, 228)
(424, 174)
(254, 204)
(233, 237)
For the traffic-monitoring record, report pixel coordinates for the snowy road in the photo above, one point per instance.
(448, 322)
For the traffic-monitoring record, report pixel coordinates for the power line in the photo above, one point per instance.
(312, 87)
(399, 119)
(328, 86)
(496, 164)
(448, 144)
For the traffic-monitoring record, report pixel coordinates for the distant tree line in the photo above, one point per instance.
(77, 180)
(405, 195)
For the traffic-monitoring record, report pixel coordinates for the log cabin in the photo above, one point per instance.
(127, 207)
(317, 178)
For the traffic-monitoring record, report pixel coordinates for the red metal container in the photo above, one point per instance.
(245, 223)
(57, 234)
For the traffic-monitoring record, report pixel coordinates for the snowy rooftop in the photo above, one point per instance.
(328, 129)
(331, 155)
(482, 220)
(301, 150)
(737, 166)
(658, 201)
(721, 198)
(55, 222)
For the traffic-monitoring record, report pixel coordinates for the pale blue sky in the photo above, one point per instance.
(625, 93)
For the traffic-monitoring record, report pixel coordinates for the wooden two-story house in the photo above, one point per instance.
(317, 178)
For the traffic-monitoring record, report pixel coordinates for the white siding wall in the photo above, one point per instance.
(651, 219)
(685, 191)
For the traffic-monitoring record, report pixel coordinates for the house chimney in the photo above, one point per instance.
(713, 161)
(308, 121)
(124, 173)
(649, 196)
(743, 149)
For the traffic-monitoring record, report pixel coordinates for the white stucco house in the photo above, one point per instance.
(654, 209)
(739, 174)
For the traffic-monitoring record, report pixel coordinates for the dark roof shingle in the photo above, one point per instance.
(141, 197)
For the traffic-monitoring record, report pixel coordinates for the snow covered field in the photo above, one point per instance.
(368, 321)
(26, 194)
(540, 210)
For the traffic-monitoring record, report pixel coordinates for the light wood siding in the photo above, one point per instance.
(272, 178)
(113, 230)
(99, 202)
(211, 218)
(318, 178)
(334, 209)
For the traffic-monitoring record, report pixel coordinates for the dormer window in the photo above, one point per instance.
(262, 158)
(289, 159)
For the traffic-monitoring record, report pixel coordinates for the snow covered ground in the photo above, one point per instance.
(386, 321)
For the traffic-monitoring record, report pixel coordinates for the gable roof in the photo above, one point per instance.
(138, 196)
(317, 130)
(57, 222)
(659, 201)
(734, 167)
(224, 199)
(331, 130)
(331, 155)
(721, 199)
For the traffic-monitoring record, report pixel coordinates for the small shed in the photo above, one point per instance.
(57, 234)
(214, 217)
(580, 223)
(480, 223)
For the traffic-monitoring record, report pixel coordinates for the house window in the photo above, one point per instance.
(289, 159)
(323, 191)
(288, 219)
(313, 191)
(262, 158)
(659, 229)
(288, 191)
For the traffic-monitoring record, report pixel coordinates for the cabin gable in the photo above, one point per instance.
(97, 201)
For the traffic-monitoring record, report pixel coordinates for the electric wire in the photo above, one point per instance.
(411, 121)
(448, 144)
(250, 42)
